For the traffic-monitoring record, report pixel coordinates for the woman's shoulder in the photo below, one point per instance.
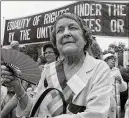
(101, 66)
(92, 64)
(91, 59)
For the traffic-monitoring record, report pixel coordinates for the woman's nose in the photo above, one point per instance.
(113, 60)
(66, 32)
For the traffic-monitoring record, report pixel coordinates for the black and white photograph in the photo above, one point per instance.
(65, 59)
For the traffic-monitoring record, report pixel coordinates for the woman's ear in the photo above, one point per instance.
(85, 42)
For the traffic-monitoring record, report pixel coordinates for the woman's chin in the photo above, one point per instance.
(70, 51)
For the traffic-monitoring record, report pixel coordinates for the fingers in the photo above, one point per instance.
(9, 81)
(3, 67)
(9, 77)
(4, 72)
(5, 80)
(6, 75)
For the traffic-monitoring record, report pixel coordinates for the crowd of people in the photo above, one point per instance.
(77, 80)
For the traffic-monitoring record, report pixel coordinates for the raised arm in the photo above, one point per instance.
(10, 80)
(9, 107)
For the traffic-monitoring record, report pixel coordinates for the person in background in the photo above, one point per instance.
(83, 80)
(51, 54)
(14, 45)
(124, 95)
(127, 102)
(127, 67)
(125, 72)
(95, 50)
(118, 85)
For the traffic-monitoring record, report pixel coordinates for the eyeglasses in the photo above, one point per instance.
(48, 53)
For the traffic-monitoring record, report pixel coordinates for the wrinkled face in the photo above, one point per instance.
(69, 37)
(49, 54)
(111, 62)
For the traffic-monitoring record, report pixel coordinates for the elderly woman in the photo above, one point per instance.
(118, 85)
(82, 79)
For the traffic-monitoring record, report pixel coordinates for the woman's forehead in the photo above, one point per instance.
(66, 20)
(49, 48)
(112, 57)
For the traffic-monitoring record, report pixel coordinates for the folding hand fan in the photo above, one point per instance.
(14, 59)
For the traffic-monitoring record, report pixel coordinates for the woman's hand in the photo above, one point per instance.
(8, 78)
(118, 78)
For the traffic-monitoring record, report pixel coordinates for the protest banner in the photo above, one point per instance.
(104, 19)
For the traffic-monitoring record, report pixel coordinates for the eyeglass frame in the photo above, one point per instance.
(49, 52)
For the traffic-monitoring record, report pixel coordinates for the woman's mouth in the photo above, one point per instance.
(67, 42)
